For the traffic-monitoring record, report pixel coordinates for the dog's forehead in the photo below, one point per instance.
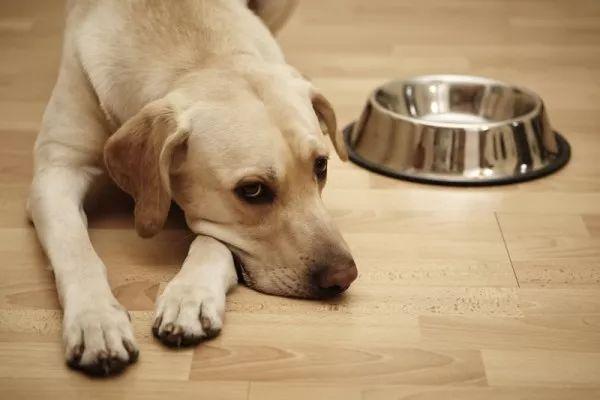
(261, 122)
(230, 136)
(253, 135)
(306, 145)
(297, 122)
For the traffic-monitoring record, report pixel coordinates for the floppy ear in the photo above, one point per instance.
(328, 123)
(274, 14)
(138, 158)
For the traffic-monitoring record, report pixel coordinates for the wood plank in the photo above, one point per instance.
(436, 312)
(552, 250)
(326, 362)
(543, 332)
(109, 389)
(542, 368)
(276, 391)
(45, 359)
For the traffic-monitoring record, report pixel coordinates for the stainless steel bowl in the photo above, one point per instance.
(457, 130)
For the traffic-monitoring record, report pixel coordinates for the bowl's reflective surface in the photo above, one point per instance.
(457, 130)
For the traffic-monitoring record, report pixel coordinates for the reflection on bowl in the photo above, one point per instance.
(457, 130)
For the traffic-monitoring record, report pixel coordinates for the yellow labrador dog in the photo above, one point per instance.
(188, 101)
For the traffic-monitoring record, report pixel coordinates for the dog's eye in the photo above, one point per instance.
(321, 168)
(255, 193)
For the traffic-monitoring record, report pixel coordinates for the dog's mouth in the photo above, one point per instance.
(302, 292)
(240, 269)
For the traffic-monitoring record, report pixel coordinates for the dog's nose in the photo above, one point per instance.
(334, 280)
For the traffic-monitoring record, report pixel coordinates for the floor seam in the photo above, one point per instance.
(506, 248)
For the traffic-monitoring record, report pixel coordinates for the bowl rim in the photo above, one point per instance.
(457, 125)
(562, 158)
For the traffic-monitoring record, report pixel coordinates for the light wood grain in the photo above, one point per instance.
(487, 293)
(160, 389)
(276, 391)
(541, 368)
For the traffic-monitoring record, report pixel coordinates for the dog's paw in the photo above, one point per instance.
(187, 314)
(99, 338)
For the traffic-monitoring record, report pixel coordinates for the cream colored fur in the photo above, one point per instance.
(181, 101)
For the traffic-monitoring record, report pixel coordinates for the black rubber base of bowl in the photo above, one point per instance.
(564, 155)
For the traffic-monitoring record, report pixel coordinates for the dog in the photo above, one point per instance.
(189, 102)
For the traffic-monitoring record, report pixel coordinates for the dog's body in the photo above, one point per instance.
(190, 101)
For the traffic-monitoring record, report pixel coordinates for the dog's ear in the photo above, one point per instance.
(138, 158)
(274, 14)
(328, 122)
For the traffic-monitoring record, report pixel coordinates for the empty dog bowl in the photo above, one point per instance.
(457, 130)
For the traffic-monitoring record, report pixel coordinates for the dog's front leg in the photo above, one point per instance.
(97, 332)
(192, 305)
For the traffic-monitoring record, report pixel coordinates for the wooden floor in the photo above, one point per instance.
(488, 293)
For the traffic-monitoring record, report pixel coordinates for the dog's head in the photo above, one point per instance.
(245, 157)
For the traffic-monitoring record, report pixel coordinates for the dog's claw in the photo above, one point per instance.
(99, 340)
(169, 328)
(207, 326)
(195, 316)
(133, 352)
(104, 365)
(156, 325)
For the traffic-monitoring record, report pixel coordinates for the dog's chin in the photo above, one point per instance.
(309, 291)
(300, 292)
(292, 294)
